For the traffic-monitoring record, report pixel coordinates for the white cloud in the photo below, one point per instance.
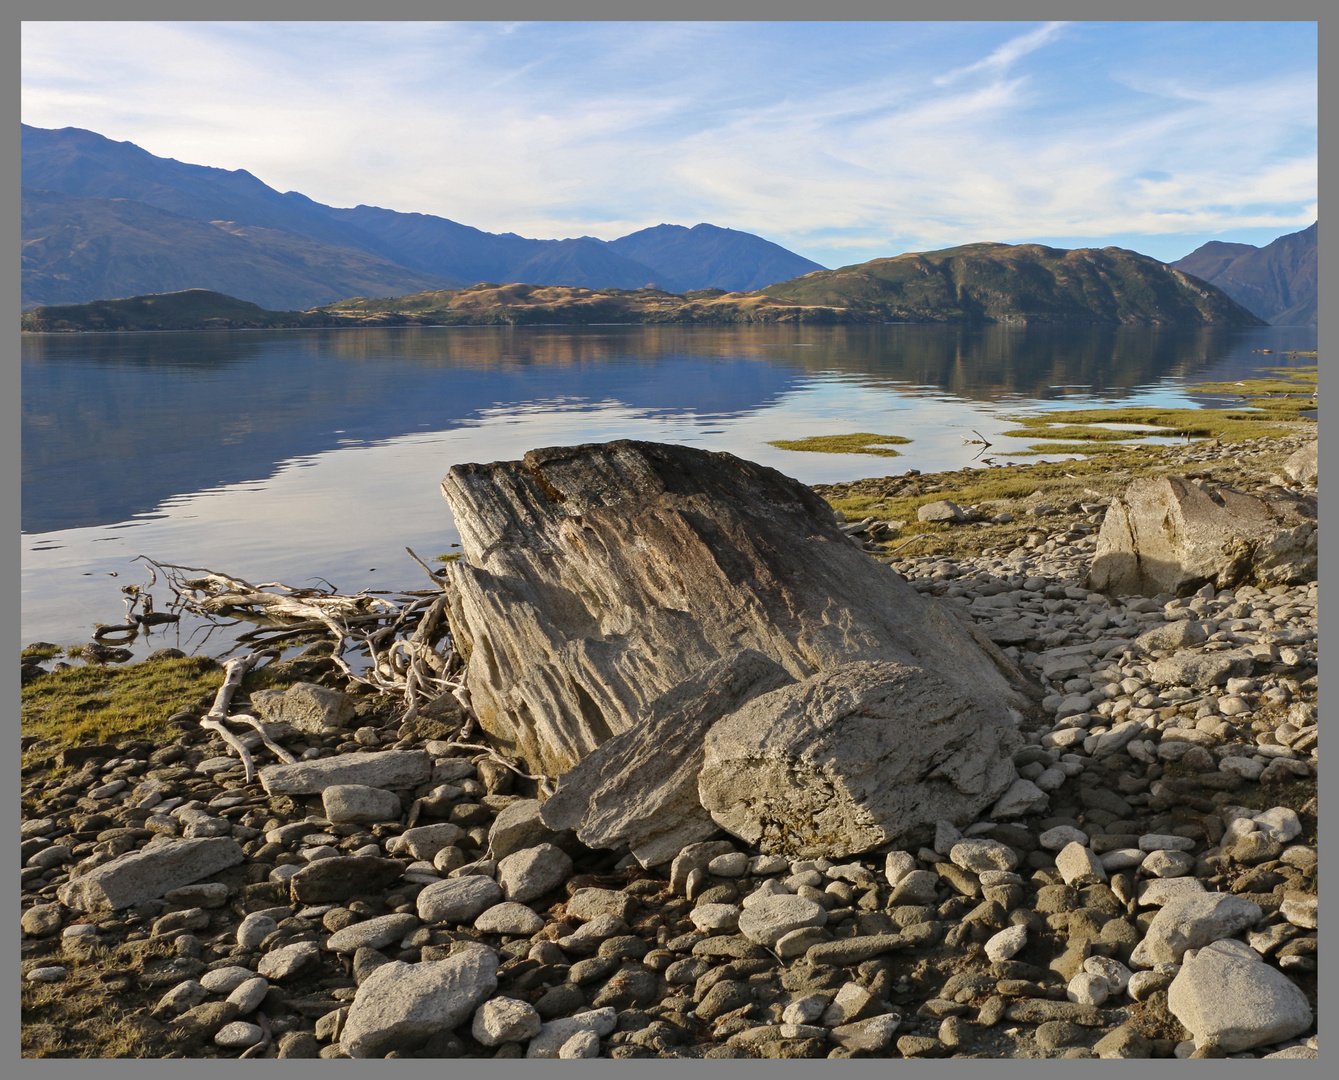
(572, 129)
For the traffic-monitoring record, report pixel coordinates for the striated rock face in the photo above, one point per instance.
(596, 578)
(1167, 534)
(640, 787)
(859, 756)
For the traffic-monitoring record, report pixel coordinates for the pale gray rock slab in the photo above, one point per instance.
(383, 769)
(504, 1020)
(346, 803)
(596, 578)
(917, 887)
(374, 933)
(308, 707)
(402, 1005)
(1200, 669)
(1229, 998)
(1190, 922)
(530, 873)
(1161, 891)
(1166, 534)
(238, 1035)
(639, 788)
(555, 1034)
(586, 904)
(582, 1045)
(775, 916)
(1181, 634)
(862, 755)
(875, 1034)
(941, 510)
(457, 900)
(149, 873)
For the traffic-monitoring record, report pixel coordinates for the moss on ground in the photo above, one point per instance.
(92, 704)
(862, 442)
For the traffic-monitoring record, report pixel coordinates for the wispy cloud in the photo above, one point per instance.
(841, 141)
(1003, 58)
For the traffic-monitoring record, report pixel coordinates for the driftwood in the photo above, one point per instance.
(215, 719)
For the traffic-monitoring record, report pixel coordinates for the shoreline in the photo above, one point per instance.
(1179, 777)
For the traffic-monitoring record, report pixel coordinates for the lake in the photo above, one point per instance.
(295, 455)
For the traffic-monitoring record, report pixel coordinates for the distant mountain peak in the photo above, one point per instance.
(1277, 282)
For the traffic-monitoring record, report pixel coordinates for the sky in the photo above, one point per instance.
(841, 141)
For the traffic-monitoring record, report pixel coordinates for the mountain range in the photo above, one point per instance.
(1276, 282)
(105, 219)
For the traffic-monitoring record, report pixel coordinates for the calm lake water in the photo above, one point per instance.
(288, 455)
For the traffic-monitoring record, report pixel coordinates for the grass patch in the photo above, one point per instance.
(862, 442)
(42, 651)
(1076, 431)
(454, 557)
(95, 704)
(1037, 449)
(1229, 424)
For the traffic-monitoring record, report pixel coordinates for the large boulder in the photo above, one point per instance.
(639, 789)
(596, 578)
(863, 755)
(1168, 534)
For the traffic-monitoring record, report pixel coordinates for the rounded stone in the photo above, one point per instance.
(1088, 989)
(255, 928)
(710, 918)
(509, 918)
(225, 980)
(977, 854)
(247, 996)
(1006, 944)
(504, 1020)
(773, 917)
(238, 1035)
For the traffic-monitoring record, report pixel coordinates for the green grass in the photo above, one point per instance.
(1038, 449)
(1228, 424)
(93, 704)
(861, 442)
(1076, 431)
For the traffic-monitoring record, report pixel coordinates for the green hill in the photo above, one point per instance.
(1023, 283)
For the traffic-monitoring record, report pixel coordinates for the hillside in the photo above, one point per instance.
(1276, 282)
(431, 251)
(76, 249)
(1023, 283)
(192, 309)
(707, 256)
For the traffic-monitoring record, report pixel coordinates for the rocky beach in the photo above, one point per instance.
(1123, 867)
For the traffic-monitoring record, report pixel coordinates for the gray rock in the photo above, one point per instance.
(149, 873)
(584, 1044)
(248, 995)
(588, 903)
(504, 1020)
(1302, 466)
(553, 1035)
(942, 510)
(529, 874)
(225, 980)
(41, 920)
(254, 929)
(1228, 998)
(1021, 799)
(289, 961)
(1200, 669)
(457, 900)
(1079, 866)
(509, 918)
(875, 1034)
(238, 1035)
(387, 769)
(521, 825)
(1192, 921)
(1175, 635)
(335, 879)
(374, 933)
(977, 854)
(695, 857)
(425, 841)
(1166, 534)
(345, 803)
(775, 916)
(307, 706)
(858, 756)
(639, 788)
(401, 1006)
(602, 576)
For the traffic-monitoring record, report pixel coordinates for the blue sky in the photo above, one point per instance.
(842, 141)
